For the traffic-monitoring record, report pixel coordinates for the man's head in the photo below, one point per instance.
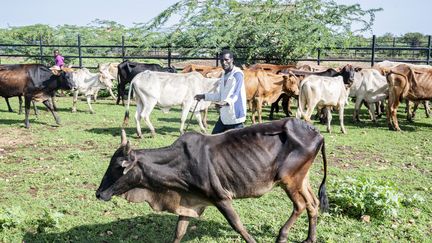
(56, 52)
(227, 60)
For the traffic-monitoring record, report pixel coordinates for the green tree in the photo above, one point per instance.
(270, 29)
(414, 39)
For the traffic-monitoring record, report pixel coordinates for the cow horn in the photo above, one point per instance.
(123, 137)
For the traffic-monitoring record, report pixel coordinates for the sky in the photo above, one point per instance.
(398, 16)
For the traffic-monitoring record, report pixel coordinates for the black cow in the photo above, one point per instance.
(127, 71)
(199, 170)
(35, 82)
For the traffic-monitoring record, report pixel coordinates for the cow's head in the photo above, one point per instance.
(106, 79)
(348, 73)
(65, 80)
(122, 173)
(291, 84)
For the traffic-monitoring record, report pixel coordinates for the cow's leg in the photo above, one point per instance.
(8, 105)
(185, 111)
(205, 117)
(53, 103)
(20, 104)
(27, 101)
(410, 114)
(299, 205)
(95, 94)
(147, 109)
(35, 108)
(381, 109)
(138, 113)
(427, 108)
(253, 110)
(111, 93)
(226, 208)
(312, 210)
(310, 108)
(286, 105)
(74, 101)
(341, 118)
(357, 106)
(50, 107)
(182, 224)
(89, 104)
(329, 118)
(199, 119)
(372, 112)
(274, 108)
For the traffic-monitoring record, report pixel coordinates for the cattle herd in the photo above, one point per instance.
(198, 170)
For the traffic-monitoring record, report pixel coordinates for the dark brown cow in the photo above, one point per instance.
(200, 170)
(407, 82)
(35, 82)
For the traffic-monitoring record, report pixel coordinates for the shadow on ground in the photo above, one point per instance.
(149, 228)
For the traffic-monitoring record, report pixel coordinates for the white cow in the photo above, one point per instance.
(322, 92)
(369, 85)
(88, 84)
(110, 71)
(167, 90)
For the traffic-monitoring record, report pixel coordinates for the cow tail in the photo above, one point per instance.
(324, 203)
(405, 89)
(126, 117)
(300, 107)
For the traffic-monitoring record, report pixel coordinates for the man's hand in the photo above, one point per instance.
(199, 97)
(220, 104)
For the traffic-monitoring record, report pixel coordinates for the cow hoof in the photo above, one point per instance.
(92, 112)
(74, 111)
(153, 134)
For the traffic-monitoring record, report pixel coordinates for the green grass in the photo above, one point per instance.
(49, 174)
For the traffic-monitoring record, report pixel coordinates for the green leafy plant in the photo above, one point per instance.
(11, 217)
(48, 220)
(365, 196)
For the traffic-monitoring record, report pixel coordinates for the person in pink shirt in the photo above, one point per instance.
(59, 59)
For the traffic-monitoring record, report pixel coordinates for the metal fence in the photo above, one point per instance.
(369, 53)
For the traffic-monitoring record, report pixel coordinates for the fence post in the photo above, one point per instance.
(169, 55)
(40, 49)
(373, 51)
(123, 48)
(79, 51)
(217, 59)
(429, 50)
(319, 56)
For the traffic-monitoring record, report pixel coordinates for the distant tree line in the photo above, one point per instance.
(271, 29)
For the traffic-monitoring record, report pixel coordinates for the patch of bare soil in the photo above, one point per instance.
(345, 157)
(11, 139)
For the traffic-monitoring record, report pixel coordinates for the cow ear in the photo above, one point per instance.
(129, 164)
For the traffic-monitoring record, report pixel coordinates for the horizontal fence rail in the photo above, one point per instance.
(371, 53)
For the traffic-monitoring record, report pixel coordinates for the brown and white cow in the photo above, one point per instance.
(200, 170)
(264, 87)
(409, 82)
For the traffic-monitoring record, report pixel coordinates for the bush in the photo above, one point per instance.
(364, 196)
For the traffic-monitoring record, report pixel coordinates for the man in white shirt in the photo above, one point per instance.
(230, 97)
